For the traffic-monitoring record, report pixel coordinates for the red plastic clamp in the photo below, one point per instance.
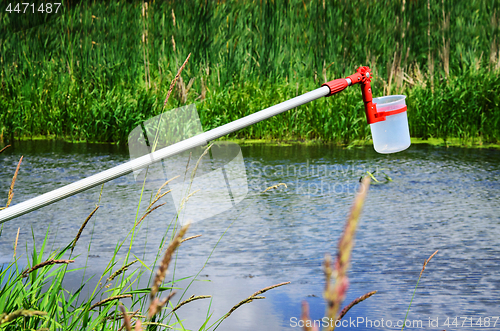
(336, 85)
(363, 77)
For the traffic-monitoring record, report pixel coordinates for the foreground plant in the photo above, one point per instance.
(418, 281)
(337, 281)
(13, 182)
(33, 297)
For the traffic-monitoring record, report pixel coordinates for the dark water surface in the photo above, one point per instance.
(440, 198)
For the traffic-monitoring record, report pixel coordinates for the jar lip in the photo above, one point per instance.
(389, 100)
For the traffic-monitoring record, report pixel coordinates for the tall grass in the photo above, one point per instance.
(33, 297)
(98, 69)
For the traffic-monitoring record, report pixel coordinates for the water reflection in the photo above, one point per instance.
(440, 198)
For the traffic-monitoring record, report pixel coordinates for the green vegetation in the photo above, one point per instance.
(97, 70)
(33, 297)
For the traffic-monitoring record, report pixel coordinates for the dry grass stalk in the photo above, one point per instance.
(126, 319)
(445, 57)
(183, 89)
(156, 306)
(6, 318)
(431, 71)
(149, 212)
(445, 54)
(429, 27)
(325, 79)
(187, 164)
(172, 84)
(427, 261)
(430, 57)
(159, 324)
(407, 78)
(162, 270)
(477, 62)
(275, 187)
(308, 324)
(116, 297)
(176, 76)
(398, 71)
(334, 293)
(390, 74)
(158, 198)
(328, 270)
(190, 299)
(253, 297)
(419, 76)
(493, 52)
(241, 303)
(165, 184)
(193, 174)
(173, 43)
(11, 189)
(265, 289)
(189, 238)
(83, 227)
(3, 149)
(135, 314)
(138, 325)
(199, 160)
(203, 94)
(17, 238)
(185, 200)
(120, 271)
(25, 273)
(353, 303)
(131, 314)
(145, 42)
(415, 290)
(406, 56)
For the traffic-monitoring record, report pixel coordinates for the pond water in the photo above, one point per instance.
(440, 198)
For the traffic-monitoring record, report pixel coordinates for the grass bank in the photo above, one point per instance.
(95, 71)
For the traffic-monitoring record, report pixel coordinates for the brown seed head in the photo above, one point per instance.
(162, 270)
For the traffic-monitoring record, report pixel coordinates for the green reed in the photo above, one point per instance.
(99, 69)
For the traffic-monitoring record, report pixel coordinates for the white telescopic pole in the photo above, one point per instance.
(146, 160)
